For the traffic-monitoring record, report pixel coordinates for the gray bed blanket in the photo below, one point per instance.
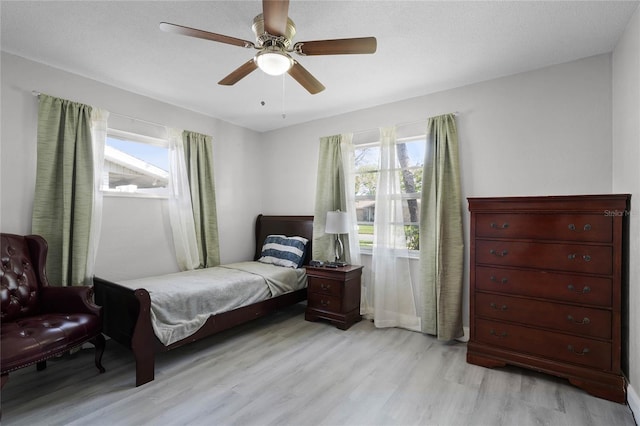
(182, 302)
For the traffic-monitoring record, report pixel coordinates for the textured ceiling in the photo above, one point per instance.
(423, 47)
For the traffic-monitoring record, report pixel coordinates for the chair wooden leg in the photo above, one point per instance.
(41, 365)
(99, 343)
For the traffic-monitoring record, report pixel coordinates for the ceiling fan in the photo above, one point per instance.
(274, 33)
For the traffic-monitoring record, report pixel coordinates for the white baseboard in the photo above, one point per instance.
(634, 402)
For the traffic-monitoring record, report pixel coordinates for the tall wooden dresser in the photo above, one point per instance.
(546, 286)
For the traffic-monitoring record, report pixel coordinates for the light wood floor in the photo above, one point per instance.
(283, 370)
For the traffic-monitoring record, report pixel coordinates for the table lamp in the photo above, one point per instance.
(337, 223)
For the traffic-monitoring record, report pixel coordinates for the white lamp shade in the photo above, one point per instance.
(274, 63)
(337, 223)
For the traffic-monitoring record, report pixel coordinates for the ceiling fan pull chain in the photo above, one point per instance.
(283, 113)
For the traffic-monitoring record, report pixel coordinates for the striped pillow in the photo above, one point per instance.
(283, 251)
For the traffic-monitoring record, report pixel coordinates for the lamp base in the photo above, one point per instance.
(339, 249)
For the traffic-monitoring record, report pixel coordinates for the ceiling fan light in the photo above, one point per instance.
(274, 63)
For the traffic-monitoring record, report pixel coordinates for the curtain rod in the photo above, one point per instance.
(37, 95)
(406, 123)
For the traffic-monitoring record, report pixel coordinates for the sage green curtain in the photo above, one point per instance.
(331, 187)
(198, 149)
(441, 235)
(62, 207)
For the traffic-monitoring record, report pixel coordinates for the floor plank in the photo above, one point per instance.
(282, 370)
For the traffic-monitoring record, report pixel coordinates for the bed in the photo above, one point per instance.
(127, 310)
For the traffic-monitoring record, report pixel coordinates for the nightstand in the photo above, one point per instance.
(334, 294)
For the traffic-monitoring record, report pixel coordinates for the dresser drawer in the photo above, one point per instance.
(324, 286)
(588, 290)
(593, 259)
(589, 322)
(324, 302)
(552, 345)
(568, 227)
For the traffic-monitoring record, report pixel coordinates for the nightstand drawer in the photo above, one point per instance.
(325, 286)
(324, 302)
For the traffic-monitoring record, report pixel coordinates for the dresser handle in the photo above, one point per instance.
(585, 289)
(584, 321)
(494, 306)
(584, 351)
(495, 280)
(585, 257)
(501, 254)
(496, 335)
(496, 226)
(325, 287)
(586, 227)
(324, 302)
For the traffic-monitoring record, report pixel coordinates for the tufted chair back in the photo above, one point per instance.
(21, 258)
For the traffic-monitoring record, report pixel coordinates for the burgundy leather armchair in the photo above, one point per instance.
(40, 321)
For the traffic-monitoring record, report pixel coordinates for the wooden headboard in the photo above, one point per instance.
(291, 226)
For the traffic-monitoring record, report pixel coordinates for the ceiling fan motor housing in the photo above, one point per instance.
(265, 39)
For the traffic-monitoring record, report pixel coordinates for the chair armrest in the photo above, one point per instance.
(68, 300)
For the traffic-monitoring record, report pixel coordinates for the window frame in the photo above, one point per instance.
(138, 138)
(413, 254)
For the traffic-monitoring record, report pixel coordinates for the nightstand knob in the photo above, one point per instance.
(325, 303)
(325, 287)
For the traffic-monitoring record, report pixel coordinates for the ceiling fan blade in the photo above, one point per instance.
(304, 77)
(344, 46)
(192, 32)
(239, 73)
(275, 14)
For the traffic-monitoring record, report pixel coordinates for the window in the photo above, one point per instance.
(410, 156)
(135, 164)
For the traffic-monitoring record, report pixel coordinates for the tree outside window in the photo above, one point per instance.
(410, 156)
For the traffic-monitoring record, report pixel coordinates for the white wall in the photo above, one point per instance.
(541, 132)
(626, 178)
(136, 240)
(545, 132)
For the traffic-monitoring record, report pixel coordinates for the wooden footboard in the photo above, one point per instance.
(127, 320)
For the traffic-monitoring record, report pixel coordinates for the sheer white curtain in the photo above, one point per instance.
(393, 297)
(99, 119)
(180, 210)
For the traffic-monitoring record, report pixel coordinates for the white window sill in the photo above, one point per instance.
(413, 254)
(133, 195)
